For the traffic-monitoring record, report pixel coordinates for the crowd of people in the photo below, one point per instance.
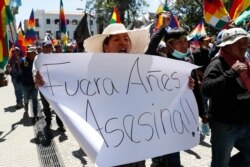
(221, 84)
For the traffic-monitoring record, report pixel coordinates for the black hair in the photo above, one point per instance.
(174, 34)
(106, 42)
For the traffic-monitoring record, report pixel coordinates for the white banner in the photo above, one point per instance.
(122, 108)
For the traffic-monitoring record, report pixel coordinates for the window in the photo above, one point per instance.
(57, 21)
(58, 35)
(38, 35)
(37, 22)
(47, 21)
(74, 22)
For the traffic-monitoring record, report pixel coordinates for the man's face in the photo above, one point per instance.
(119, 43)
(180, 44)
(238, 49)
(47, 48)
(166, 18)
(39, 50)
(58, 49)
(205, 43)
(31, 55)
(16, 52)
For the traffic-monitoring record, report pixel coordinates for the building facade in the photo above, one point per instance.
(48, 22)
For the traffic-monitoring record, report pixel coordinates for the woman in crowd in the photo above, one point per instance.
(117, 39)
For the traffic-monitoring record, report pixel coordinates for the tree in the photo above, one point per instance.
(128, 10)
(191, 12)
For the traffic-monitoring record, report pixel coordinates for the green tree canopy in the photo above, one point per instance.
(128, 10)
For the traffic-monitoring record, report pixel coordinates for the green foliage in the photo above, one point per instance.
(191, 12)
(128, 9)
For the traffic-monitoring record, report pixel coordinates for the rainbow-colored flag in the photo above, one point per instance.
(238, 7)
(240, 11)
(62, 25)
(6, 18)
(215, 13)
(197, 32)
(159, 11)
(243, 17)
(115, 16)
(173, 22)
(20, 39)
(30, 35)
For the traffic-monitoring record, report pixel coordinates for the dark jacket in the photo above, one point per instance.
(202, 58)
(27, 77)
(14, 63)
(229, 100)
(155, 40)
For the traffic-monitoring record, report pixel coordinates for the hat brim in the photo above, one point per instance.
(139, 41)
(207, 38)
(32, 51)
(229, 42)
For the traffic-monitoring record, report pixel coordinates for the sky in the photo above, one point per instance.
(68, 5)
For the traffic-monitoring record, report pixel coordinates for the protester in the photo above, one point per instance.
(28, 84)
(117, 39)
(39, 49)
(47, 50)
(217, 42)
(69, 48)
(13, 68)
(227, 84)
(202, 55)
(58, 48)
(176, 47)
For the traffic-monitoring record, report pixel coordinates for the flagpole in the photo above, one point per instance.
(11, 32)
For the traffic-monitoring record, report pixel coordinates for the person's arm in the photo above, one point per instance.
(155, 40)
(38, 79)
(198, 97)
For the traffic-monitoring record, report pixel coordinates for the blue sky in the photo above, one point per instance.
(69, 6)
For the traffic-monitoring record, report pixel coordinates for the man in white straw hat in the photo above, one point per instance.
(117, 39)
(227, 84)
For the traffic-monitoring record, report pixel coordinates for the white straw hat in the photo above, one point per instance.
(139, 38)
(17, 48)
(231, 36)
(32, 49)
